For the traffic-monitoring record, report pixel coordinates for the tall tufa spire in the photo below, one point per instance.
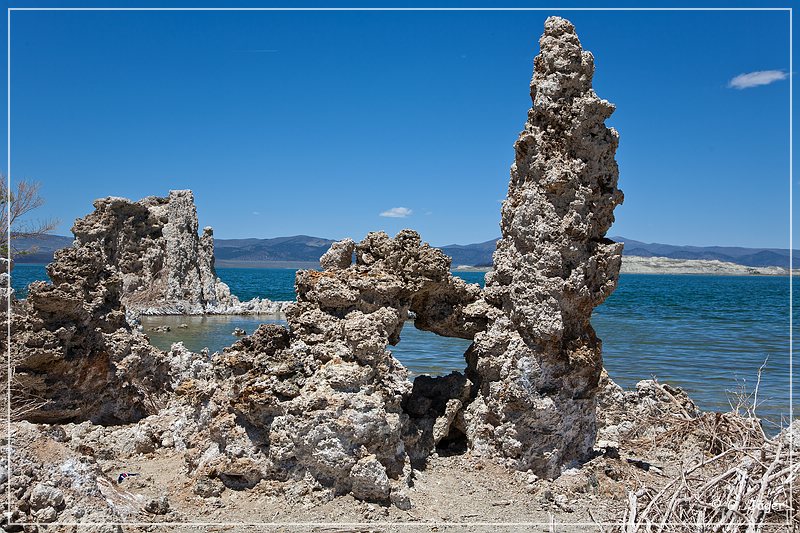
(538, 363)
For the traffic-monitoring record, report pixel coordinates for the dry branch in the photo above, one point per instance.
(748, 484)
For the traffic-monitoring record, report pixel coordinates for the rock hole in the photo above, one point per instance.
(426, 353)
(439, 394)
(454, 443)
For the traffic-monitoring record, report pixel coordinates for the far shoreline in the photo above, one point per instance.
(678, 267)
(630, 265)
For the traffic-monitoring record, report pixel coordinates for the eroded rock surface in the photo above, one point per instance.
(641, 413)
(165, 266)
(537, 364)
(75, 355)
(323, 405)
(323, 401)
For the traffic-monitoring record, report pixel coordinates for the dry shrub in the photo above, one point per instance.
(746, 481)
(22, 401)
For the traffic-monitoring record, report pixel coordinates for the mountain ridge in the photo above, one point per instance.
(306, 248)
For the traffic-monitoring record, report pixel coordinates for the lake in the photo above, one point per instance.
(706, 334)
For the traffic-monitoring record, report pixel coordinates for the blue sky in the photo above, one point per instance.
(317, 123)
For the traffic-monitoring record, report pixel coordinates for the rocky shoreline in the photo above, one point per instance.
(668, 265)
(256, 306)
(649, 440)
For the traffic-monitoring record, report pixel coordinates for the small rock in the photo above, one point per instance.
(613, 473)
(183, 326)
(609, 448)
(217, 502)
(157, 505)
(208, 488)
(239, 332)
(400, 499)
(370, 481)
(45, 496)
(56, 432)
(143, 442)
(48, 514)
(563, 503)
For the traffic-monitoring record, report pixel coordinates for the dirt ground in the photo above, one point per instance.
(453, 493)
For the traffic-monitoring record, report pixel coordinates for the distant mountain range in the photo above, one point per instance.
(306, 249)
(755, 257)
(480, 254)
(297, 248)
(39, 250)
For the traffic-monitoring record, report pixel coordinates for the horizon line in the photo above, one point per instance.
(615, 238)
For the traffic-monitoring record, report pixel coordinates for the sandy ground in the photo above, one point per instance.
(454, 492)
(468, 494)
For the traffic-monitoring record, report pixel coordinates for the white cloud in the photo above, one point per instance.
(397, 212)
(256, 213)
(754, 79)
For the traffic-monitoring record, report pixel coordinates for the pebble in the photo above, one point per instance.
(45, 496)
(157, 505)
(48, 514)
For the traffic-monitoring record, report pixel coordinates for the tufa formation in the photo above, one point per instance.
(75, 354)
(166, 268)
(323, 405)
(325, 400)
(537, 364)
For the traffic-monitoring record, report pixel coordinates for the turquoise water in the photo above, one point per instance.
(213, 331)
(273, 283)
(706, 334)
(22, 275)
